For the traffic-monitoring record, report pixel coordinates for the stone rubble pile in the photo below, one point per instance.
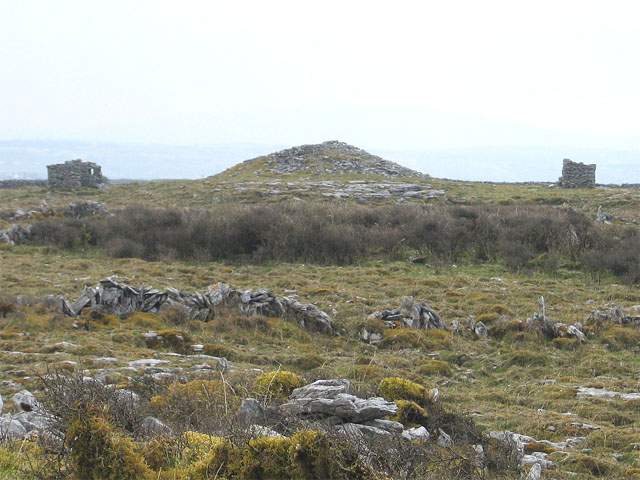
(120, 299)
(411, 314)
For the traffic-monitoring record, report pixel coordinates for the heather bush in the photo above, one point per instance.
(521, 237)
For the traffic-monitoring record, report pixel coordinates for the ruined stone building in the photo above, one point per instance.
(577, 175)
(74, 174)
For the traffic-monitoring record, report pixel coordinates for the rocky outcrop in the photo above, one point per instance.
(120, 299)
(411, 314)
(541, 323)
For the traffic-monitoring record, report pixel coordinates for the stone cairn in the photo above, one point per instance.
(328, 158)
(577, 175)
(75, 174)
(115, 298)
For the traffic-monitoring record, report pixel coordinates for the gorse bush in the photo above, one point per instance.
(535, 236)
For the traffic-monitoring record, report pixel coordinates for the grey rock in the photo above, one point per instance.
(535, 472)
(356, 431)
(34, 420)
(481, 330)
(16, 234)
(383, 424)
(250, 412)
(444, 439)
(344, 406)
(222, 365)
(105, 360)
(11, 429)
(606, 394)
(418, 433)
(412, 315)
(153, 427)
(147, 362)
(322, 389)
(25, 401)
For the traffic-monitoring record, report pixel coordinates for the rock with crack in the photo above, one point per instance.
(343, 407)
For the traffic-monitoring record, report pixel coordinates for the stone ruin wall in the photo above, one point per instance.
(577, 175)
(75, 174)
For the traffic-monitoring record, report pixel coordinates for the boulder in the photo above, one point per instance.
(25, 401)
(250, 412)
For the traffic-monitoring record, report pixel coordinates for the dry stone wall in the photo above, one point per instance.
(577, 175)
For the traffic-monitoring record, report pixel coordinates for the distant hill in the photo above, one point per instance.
(327, 158)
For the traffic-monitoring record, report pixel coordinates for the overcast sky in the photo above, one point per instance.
(388, 75)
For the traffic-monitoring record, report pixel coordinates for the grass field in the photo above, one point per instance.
(514, 381)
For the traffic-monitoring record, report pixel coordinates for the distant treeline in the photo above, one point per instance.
(538, 237)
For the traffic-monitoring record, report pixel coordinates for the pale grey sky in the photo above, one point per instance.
(389, 75)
